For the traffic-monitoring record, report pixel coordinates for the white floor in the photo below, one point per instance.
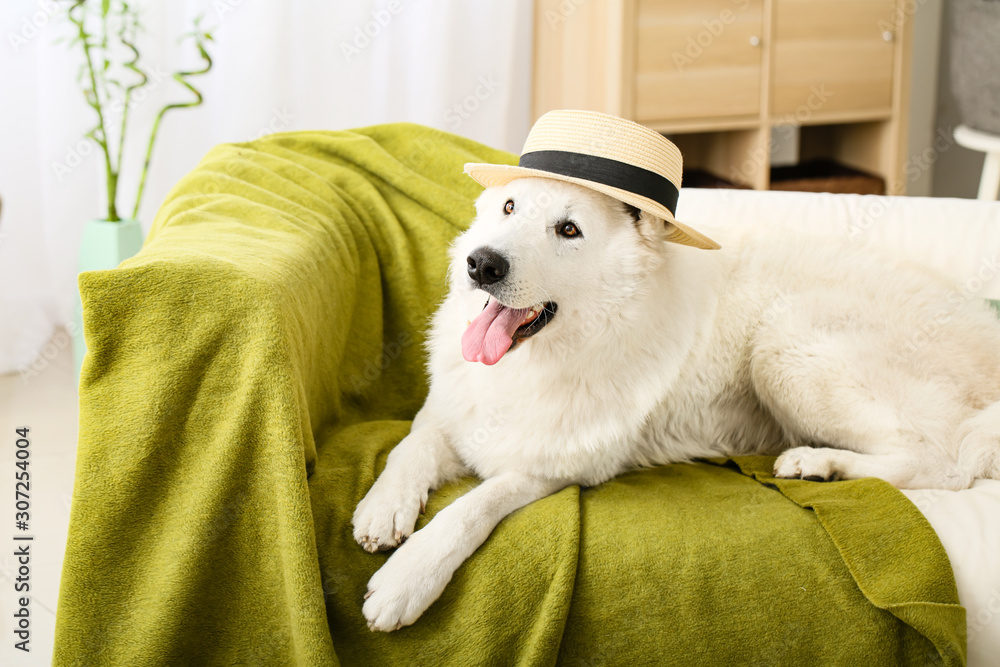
(45, 400)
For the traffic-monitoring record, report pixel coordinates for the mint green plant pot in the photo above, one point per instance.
(104, 246)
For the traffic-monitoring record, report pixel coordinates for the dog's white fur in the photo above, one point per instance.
(661, 353)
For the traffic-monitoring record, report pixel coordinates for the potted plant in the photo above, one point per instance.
(105, 32)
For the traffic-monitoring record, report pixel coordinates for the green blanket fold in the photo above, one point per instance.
(248, 373)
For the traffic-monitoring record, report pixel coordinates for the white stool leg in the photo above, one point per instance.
(989, 184)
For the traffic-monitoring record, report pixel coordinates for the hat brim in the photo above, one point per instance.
(492, 175)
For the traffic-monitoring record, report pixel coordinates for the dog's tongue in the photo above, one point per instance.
(490, 335)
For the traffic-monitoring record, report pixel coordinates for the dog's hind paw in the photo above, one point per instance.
(815, 465)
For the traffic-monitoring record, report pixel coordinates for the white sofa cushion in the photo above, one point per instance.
(958, 237)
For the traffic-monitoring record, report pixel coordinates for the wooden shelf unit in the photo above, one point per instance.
(717, 75)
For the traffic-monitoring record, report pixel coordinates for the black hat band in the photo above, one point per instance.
(605, 171)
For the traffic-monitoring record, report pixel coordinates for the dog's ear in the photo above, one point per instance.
(632, 211)
(651, 229)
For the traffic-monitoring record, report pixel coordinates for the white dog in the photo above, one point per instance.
(587, 331)
(601, 348)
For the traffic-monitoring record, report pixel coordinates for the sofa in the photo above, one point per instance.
(250, 369)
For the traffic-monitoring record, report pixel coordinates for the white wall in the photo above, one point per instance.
(459, 65)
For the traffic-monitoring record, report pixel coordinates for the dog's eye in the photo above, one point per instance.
(568, 229)
(508, 208)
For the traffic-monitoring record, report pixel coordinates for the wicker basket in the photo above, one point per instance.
(826, 176)
(700, 178)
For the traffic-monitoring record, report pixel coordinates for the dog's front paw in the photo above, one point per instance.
(807, 463)
(387, 514)
(409, 582)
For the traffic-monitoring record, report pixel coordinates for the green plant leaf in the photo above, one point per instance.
(105, 7)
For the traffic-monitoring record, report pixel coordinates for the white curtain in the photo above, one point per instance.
(458, 65)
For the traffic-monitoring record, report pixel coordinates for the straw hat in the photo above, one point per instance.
(611, 155)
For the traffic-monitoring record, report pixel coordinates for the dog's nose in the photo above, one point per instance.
(487, 266)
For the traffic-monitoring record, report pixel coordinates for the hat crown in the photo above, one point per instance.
(602, 135)
(616, 157)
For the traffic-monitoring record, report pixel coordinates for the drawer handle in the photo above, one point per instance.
(755, 41)
(887, 36)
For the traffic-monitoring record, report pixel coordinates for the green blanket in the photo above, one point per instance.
(249, 371)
